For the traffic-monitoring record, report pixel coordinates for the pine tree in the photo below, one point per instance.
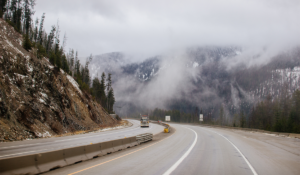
(45, 40)
(13, 8)
(108, 88)
(102, 90)
(28, 12)
(16, 9)
(86, 76)
(76, 59)
(242, 119)
(294, 118)
(65, 65)
(18, 16)
(35, 33)
(96, 89)
(26, 43)
(58, 53)
(221, 115)
(40, 35)
(6, 14)
(52, 57)
(111, 100)
(108, 85)
(278, 125)
(57, 50)
(77, 67)
(2, 7)
(50, 39)
(64, 42)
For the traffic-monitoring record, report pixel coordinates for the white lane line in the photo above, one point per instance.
(248, 163)
(170, 170)
(23, 153)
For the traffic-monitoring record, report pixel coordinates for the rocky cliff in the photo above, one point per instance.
(39, 100)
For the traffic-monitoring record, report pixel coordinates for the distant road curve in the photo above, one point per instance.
(200, 150)
(19, 148)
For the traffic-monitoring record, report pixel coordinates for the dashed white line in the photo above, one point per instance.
(23, 153)
(170, 170)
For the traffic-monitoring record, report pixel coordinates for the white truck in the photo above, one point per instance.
(144, 121)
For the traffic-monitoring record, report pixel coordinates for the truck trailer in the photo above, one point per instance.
(144, 121)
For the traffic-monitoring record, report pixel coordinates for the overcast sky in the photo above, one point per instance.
(156, 26)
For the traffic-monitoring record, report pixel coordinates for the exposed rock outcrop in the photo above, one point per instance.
(37, 99)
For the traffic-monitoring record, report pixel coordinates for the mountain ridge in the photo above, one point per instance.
(210, 79)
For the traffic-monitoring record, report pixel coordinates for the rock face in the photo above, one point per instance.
(37, 99)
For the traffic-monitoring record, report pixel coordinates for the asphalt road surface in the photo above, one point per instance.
(19, 148)
(199, 150)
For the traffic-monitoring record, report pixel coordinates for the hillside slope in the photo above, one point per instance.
(37, 99)
(207, 78)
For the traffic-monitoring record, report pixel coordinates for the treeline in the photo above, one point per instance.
(176, 115)
(104, 93)
(280, 114)
(18, 13)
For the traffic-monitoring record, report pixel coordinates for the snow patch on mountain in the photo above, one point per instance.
(195, 64)
(74, 83)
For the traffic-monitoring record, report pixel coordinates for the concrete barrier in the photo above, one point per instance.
(107, 147)
(284, 134)
(75, 154)
(49, 160)
(43, 162)
(19, 165)
(93, 150)
(133, 141)
(118, 145)
(295, 135)
(127, 142)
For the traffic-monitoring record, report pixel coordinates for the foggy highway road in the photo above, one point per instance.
(200, 150)
(19, 148)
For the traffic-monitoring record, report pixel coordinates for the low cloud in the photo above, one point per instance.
(156, 27)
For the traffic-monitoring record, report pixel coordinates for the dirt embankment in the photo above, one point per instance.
(39, 100)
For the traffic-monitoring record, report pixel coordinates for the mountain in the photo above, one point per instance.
(119, 65)
(201, 77)
(108, 63)
(38, 99)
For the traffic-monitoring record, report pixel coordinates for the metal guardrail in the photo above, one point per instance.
(142, 138)
(167, 128)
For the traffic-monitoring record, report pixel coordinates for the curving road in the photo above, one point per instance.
(19, 148)
(200, 150)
